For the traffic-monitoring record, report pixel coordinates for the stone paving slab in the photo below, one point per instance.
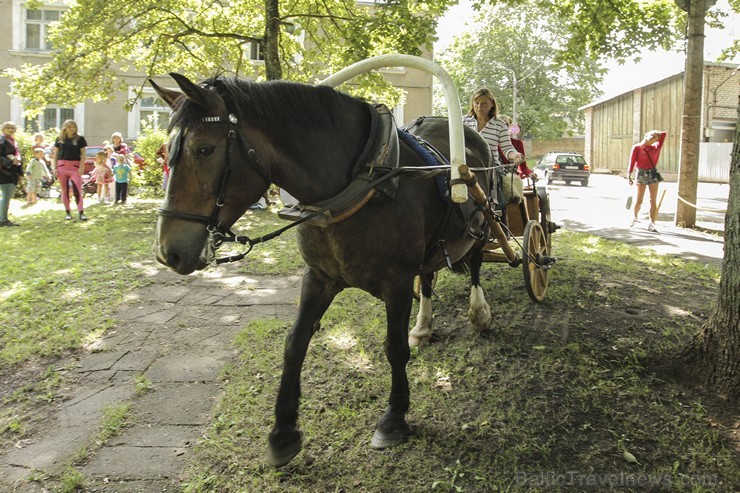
(177, 333)
(174, 404)
(136, 463)
(172, 436)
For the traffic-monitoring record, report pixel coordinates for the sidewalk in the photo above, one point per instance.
(599, 209)
(177, 333)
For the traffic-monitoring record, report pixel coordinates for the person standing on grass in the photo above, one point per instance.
(644, 158)
(102, 175)
(66, 161)
(121, 172)
(163, 158)
(119, 146)
(10, 170)
(35, 173)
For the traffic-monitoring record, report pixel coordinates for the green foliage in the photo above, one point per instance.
(149, 180)
(618, 30)
(72, 480)
(142, 385)
(115, 418)
(494, 54)
(598, 30)
(96, 41)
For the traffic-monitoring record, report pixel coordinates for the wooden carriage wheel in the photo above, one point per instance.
(535, 246)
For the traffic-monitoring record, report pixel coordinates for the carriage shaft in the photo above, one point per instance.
(480, 198)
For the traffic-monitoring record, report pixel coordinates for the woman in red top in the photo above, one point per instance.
(644, 157)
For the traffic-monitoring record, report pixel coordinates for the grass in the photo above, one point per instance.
(551, 399)
(59, 289)
(558, 397)
(65, 278)
(115, 418)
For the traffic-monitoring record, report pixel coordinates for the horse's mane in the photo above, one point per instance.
(272, 104)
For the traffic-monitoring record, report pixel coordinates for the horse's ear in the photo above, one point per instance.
(208, 100)
(168, 96)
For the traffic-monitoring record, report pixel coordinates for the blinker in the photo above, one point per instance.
(174, 145)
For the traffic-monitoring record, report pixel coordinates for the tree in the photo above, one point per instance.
(715, 351)
(688, 175)
(517, 55)
(97, 41)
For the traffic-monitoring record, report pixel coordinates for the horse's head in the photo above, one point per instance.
(214, 176)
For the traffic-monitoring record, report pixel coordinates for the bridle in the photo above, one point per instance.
(218, 232)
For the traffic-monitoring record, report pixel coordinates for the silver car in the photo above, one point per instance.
(563, 166)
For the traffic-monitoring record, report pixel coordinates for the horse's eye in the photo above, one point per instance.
(205, 151)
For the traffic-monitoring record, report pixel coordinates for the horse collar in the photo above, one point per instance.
(375, 169)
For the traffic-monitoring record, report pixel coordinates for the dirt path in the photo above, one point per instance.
(176, 332)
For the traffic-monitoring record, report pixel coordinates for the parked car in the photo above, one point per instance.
(563, 166)
(91, 151)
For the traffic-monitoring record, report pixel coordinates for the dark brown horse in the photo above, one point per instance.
(230, 139)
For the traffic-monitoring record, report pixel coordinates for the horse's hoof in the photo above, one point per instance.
(481, 318)
(382, 440)
(278, 456)
(417, 341)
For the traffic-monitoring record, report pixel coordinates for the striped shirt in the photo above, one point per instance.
(495, 133)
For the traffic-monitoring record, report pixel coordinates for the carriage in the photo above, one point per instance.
(530, 226)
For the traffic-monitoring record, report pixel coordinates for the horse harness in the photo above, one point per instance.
(380, 159)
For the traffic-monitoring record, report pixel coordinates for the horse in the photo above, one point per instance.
(230, 139)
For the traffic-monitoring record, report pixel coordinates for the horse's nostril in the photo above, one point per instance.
(173, 260)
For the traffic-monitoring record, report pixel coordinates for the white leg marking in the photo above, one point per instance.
(479, 312)
(422, 331)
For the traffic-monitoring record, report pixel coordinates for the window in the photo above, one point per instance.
(255, 51)
(149, 111)
(36, 26)
(52, 117)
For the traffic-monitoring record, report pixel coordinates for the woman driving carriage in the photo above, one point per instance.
(484, 117)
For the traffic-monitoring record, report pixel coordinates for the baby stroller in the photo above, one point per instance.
(89, 185)
(47, 182)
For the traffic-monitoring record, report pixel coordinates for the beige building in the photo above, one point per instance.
(23, 40)
(614, 125)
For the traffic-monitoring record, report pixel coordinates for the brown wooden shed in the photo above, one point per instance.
(614, 125)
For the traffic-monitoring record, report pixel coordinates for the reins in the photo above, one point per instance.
(246, 240)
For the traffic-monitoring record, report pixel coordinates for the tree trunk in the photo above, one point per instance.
(717, 347)
(271, 47)
(691, 120)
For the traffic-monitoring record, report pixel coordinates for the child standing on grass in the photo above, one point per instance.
(102, 175)
(35, 172)
(121, 172)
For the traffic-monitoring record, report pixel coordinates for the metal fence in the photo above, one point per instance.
(714, 162)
